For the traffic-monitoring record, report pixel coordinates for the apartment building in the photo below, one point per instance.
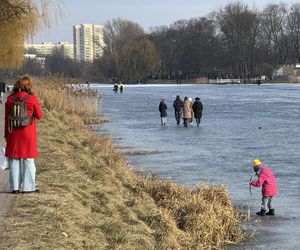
(46, 48)
(88, 42)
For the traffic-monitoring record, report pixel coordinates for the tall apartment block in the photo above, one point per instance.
(88, 42)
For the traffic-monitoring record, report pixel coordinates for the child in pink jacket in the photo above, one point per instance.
(267, 181)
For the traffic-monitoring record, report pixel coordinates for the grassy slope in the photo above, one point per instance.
(91, 199)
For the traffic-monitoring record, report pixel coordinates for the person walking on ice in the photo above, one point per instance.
(267, 181)
(186, 111)
(177, 105)
(163, 112)
(197, 109)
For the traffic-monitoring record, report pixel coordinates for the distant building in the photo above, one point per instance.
(287, 72)
(297, 69)
(88, 42)
(46, 48)
(284, 70)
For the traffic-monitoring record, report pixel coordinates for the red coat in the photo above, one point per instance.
(267, 181)
(21, 143)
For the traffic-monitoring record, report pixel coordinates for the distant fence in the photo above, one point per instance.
(224, 81)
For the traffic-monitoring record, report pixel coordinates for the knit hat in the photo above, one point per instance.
(257, 165)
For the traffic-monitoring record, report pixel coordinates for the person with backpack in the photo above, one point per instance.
(21, 111)
(197, 109)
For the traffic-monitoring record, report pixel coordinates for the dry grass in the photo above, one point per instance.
(92, 200)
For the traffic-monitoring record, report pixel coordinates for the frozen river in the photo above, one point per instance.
(222, 149)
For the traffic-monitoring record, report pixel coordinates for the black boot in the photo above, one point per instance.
(271, 212)
(262, 212)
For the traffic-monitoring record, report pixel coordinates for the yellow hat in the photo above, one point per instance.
(256, 162)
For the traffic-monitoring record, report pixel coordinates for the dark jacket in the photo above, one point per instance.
(177, 104)
(197, 109)
(2, 87)
(163, 109)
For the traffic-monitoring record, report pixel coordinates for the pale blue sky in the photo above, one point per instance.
(147, 13)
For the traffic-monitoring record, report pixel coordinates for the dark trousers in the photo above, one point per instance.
(177, 116)
(185, 121)
(198, 120)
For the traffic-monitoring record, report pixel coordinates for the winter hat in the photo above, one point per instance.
(257, 165)
(197, 98)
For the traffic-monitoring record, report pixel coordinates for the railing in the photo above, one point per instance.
(224, 81)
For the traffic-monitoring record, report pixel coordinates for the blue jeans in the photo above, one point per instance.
(17, 176)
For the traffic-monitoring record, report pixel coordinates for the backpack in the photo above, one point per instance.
(18, 115)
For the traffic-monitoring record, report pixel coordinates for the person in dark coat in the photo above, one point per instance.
(163, 112)
(115, 89)
(3, 88)
(177, 104)
(197, 109)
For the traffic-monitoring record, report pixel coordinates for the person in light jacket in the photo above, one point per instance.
(267, 181)
(186, 111)
(21, 144)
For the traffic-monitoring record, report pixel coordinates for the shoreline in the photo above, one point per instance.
(91, 197)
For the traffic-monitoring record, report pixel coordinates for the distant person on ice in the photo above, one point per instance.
(163, 112)
(121, 87)
(197, 109)
(177, 104)
(115, 89)
(267, 181)
(186, 111)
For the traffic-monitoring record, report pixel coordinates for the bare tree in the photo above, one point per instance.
(239, 27)
(137, 60)
(118, 32)
(294, 30)
(274, 25)
(20, 19)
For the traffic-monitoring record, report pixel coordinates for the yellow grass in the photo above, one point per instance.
(91, 199)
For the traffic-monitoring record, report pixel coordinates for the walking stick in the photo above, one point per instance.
(250, 190)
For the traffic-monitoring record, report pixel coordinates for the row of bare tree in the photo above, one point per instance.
(235, 40)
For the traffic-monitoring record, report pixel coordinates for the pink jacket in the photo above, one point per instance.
(267, 180)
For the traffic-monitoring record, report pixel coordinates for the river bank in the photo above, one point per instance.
(91, 198)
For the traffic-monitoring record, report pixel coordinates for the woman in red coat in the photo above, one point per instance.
(21, 141)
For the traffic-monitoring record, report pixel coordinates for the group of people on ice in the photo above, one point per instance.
(183, 109)
(117, 87)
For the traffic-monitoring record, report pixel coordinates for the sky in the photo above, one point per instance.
(148, 13)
